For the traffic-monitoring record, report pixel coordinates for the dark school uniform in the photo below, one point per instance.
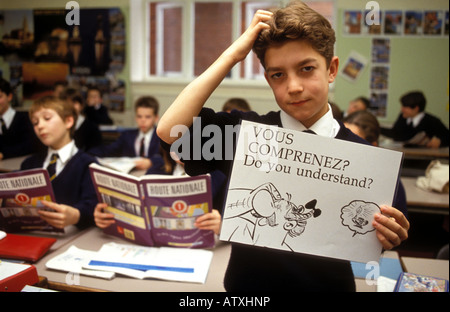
(99, 115)
(19, 139)
(124, 146)
(252, 268)
(73, 185)
(431, 125)
(88, 135)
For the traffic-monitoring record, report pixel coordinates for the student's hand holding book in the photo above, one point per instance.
(103, 219)
(60, 215)
(210, 221)
(391, 227)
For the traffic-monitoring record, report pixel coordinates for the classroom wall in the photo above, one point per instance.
(416, 63)
(126, 118)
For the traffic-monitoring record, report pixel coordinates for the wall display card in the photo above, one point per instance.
(305, 193)
(354, 66)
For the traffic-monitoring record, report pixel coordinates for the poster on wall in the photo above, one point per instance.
(353, 66)
(375, 25)
(352, 22)
(35, 42)
(381, 49)
(413, 23)
(393, 22)
(433, 22)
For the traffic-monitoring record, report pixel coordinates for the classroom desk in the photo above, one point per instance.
(419, 200)
(11, 164)
(416, 152)
(430, 267)
(370, 286)
(94, 238)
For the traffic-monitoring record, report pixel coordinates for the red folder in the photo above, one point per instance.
(22, 247)
(17, 282)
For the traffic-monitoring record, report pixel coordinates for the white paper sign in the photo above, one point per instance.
(306, 193)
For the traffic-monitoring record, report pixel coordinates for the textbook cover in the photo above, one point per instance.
(305, 193)
(411, 282)
(155, 210)
(21, 194)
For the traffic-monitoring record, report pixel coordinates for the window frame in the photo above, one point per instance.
(140, 70)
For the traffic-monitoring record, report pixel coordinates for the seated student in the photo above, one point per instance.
(297, 55)
(358, 104)
(142, 142)
(413, 121)
(364, 124)
(87, 133)
(95, 110)
(53, 120)
(17, 137)
(236, 103)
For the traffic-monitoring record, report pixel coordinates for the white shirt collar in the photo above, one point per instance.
(80, 120)
(65, 154)
(8, 116)
(147, 137)
(416, 119)
(326, 126)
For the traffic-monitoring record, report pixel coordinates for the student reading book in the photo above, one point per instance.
(153, 210)
(142, 143)
(17, 137)
(295, 46)
(53, 120)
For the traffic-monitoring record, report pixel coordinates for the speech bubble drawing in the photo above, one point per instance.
(358, 215)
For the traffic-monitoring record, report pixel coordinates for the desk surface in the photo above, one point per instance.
(420, 200)
(416, 152)
(11, 164)
(94, 238)
(429, 267)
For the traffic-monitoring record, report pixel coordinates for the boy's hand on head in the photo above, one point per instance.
(61, 216)
(243, 45)
(391, 227)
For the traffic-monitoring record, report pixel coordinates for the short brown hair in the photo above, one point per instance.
(148, 102)
(63, 108)
(367, 122)
(297, 21)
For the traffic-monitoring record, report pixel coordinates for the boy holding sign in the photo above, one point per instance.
(295, 47)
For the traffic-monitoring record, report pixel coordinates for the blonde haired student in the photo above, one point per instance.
(295, 46)
(53, 120)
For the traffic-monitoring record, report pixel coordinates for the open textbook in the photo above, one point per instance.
(155, 210)
(167, 263)
(305, 193)
(21, 195)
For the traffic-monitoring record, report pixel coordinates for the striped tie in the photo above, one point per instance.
(51, 168)
(142, 148)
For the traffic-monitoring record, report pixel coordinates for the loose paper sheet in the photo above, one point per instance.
(306, 193)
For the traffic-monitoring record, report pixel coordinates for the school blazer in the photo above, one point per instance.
(88, 135)
(73, 185)
(20, 138)
(124, 147)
